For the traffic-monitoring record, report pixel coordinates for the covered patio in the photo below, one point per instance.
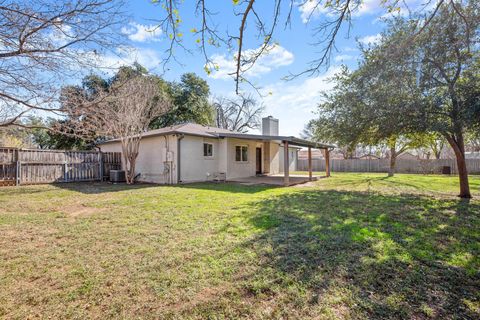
(274, 180)
(285, 179)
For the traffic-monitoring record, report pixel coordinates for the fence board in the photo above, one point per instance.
(30, 166)
(382, 165)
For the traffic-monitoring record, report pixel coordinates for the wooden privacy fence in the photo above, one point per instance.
(31, 166)
(383, 165)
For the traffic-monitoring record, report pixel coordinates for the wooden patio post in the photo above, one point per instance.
(310, 163)
(286, 173)
(327, 162)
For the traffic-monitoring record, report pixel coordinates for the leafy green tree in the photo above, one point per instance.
(442, 64)
(37, 129)
(64, 137)
(397, 145)
(341, 117)
(432, 143)
(190, 99)
(418, 79)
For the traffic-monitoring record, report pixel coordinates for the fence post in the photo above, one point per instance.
(17, 168)
(17, 172)
(100, 155)
(65, 173)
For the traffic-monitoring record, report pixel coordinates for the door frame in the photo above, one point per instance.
(258, 160)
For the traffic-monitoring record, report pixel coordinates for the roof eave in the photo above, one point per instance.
(291, 139)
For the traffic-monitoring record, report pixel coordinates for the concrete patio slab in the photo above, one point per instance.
(274, 180)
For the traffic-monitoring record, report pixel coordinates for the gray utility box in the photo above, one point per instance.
(117, 176)
(219, 176)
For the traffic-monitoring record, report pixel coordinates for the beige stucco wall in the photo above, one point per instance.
(152, 164)
(274, 158)
(194, 166)
(292, 159)
(237, 169)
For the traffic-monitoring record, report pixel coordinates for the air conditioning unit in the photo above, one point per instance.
(117, 176)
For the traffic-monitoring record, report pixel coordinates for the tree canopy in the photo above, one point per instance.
(190, 102)
(411, 83)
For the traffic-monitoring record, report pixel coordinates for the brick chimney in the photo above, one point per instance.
(270, 126)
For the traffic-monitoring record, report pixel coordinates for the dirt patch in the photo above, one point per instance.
(205, 296)
(305, 184)
(80, 210)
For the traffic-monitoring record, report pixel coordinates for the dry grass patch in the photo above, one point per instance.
(354, 246)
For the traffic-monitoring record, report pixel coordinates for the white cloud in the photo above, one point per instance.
(406, 8)
(62, 34)
(343, 57)
(142, 33)
(372, 39)
(275, 57)
(293, 103)
(313, 9)
(148, 58)
(369, 7)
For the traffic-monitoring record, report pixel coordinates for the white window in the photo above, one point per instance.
(208, 150)
(241, 153)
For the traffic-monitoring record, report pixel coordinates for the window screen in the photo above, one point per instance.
(241, 153)
(207, 150)
(244, 153)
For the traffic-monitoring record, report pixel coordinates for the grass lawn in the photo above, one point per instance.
(352, 246)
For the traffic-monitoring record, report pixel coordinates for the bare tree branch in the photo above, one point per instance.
(45, 43)
(326, 17)
(124, 111)
(241, 114)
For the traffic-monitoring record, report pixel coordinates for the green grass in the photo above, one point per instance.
(351, 246)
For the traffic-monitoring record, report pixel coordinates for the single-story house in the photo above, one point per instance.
(190, 152)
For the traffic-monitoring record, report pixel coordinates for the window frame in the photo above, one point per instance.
(241, 146)
(208, 156)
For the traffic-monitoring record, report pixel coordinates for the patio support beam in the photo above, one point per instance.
(327, 162)
(286, 173)
(310, 163)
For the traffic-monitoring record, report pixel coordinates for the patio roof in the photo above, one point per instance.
(291, 140)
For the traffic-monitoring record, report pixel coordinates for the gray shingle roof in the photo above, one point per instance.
(214, 132)
(185, 128)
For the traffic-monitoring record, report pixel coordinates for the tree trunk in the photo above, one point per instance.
(393, 160)
(130, 153)
(130, 174)
(125, 159)
(458, 147)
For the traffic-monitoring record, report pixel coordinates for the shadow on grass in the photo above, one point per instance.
(231, 187)
(103, 187)
(375, 256)
(89, 187)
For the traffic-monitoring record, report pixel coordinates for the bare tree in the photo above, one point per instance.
(123, 111)
(43, 43)
(127, 114)
(239, 114)
(265, 18)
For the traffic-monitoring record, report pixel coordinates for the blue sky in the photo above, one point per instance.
(293, 102)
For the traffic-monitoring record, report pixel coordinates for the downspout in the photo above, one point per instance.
(166, 177)
(180, 137)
